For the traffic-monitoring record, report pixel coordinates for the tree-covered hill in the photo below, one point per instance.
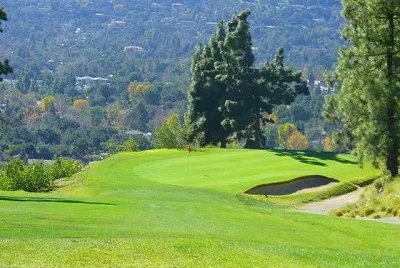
(88, 37)
(87, 72)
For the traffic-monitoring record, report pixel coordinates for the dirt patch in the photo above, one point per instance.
(325, 206)
(292, 186)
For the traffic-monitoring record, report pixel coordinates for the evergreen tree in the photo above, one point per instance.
(276, 85)
(4, 66)
(207, 94)
(228, 95)
(238, 74)
(368, 102)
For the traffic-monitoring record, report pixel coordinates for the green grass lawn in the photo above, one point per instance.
(163, 209)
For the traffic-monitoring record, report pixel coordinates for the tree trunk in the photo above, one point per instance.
(223, 143)
(392, 162)
(257, 134)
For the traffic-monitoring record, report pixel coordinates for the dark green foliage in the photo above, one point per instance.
(238, 74)
(206, 95)
(228, 91)
(367, 105)
(4, 66)
(276, 85)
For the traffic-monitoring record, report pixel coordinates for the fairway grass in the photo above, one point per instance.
(163, 208)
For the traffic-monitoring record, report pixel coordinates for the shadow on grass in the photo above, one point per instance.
(313, 158)
(51, 200)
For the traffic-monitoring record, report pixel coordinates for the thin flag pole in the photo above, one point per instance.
(189, 151)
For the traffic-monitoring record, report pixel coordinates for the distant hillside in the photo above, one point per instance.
(155, 39)
(88, 74)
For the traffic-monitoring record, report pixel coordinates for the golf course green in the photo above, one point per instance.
(166, 208)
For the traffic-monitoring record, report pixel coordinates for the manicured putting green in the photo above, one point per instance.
(161, 209)
(236, 171)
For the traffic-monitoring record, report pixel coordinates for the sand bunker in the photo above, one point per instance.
(292, 186)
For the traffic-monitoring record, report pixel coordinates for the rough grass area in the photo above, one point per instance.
(161, 209)
(379, 200)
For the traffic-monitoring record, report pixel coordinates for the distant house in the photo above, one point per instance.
(134, 48)
(116, 23)
(85, 81)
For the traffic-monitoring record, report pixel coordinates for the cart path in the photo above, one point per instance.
(326, 206)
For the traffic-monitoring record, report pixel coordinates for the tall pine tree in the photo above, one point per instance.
(228, 95)
(276, 85)
(368, 102)
(207, 94)
(238, 74)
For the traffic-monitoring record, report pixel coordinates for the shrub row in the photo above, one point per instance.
(36, 177)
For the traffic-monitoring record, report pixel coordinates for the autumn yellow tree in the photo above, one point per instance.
(135, 88)
(81, 104)
(47, 104)
(297, 141)
(284, 132)
(330, 144)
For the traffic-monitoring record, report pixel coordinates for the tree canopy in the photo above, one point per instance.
(229, 95)
(368, 102)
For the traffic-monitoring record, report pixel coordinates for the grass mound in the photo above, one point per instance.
(379, 200)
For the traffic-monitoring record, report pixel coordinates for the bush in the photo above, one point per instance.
(12, 175)
(37, 178)
(63, 168)
(130, 145)
(113, 147)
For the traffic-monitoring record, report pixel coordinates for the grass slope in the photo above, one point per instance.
(155, 209)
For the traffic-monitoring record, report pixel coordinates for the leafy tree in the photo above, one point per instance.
(137, 117)
(368, 102)
(131, 145)
(12, 175)
(81, 104)
(284, 132)
(47, 104)
(330, 144)
(5, 68)
(270, 132)
(135, 88)
(297, 141)
(37, 178)
(172, 134)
